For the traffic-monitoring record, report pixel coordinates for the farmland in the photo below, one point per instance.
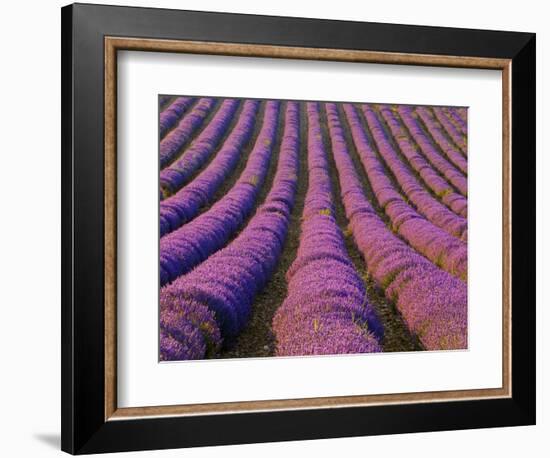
(294, 228)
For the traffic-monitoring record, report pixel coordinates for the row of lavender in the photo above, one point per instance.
(190, 244)
(326, 310)
(186, 144)
(427, 238)
(213, 302)
(173, 176)
(432, 301)
(180, 136)
(186, 203)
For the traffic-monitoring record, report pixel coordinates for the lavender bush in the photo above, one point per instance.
(224, 286)
(432, 302)
(326, 310)
(454, 132)
(199, 151)
(410, 150)
(454, 177)
(440, 137)
(172, 144)
(192, 243)
(446, 251)
(458, 121)
(243, 277)
(186, 203)
(171, 115)
(425, 203)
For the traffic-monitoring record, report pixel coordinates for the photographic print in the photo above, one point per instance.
(301, 228)
(306, 213)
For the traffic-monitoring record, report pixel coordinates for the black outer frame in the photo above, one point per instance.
(84, 429)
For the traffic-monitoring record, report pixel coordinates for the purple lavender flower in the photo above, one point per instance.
(212, 265)
(455, 177)
(181, 135)
(186, 203)
(432, 302)
(446, 251)
(169, 116)
(430, 207)
(438, 134)
(458, 120)
(450, 128)
(187, 246)
(189, 332)
(326, 310)
(226, 284)
(193, 157)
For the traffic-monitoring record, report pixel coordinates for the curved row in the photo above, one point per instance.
(433, 209)
(181, 135)
(462, 113)
(170, 115)
(200, 150)
(432, 302)
(187, 332)
(425, 203)
(440, 137)
(218, 294)
(186, 203)
(456, 202)
(184, 248)
(457, 121)
(437, 245)
(454, 177)
(325, 311)
(453, 132)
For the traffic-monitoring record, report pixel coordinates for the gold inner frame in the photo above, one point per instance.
(114, 44)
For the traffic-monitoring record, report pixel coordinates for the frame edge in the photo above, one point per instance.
(523, 138)
(67, 369)
(105, 437)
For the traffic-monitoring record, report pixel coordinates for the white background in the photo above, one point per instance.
(144, 382)
(30, 233)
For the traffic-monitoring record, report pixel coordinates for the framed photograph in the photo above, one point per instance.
(283, 228)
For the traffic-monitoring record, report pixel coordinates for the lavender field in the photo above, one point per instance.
(311, 228)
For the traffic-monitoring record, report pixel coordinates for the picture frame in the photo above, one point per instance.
(92, 35)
